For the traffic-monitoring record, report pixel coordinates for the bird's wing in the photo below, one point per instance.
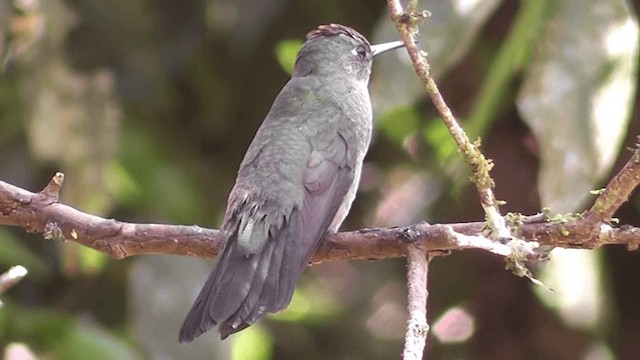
(269, 238)
(327, 177)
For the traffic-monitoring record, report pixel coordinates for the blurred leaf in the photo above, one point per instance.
(157, 180)
(45, 327)
(310, 303)
(253, 343)
(286, 51)
(437, 135)
(91, 261)
(577, 96)
(579, 290)
(92, 341)
(11, 121)
(15, 253)
(447, 36)
(513, 53)
(122, 184)
(81, 260)
(60, 334)
(399, 123)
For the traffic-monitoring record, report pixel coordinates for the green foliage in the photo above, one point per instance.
(10, 115)
(399, 123)
(44, 327)
(61, 336)
(146, 172)
(254, 343)
(437, 135)
(513, 54)
(286, 51)
(14, 252)
(309, 304)
(91, 339)
(91, 261)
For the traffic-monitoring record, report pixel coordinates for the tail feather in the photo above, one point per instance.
(243, 288)
(253, 299)
(283, 283)
(224, 292)
(220, 297)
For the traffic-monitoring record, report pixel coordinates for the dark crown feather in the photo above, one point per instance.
(336, 29)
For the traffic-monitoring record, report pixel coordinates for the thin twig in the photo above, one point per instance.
(480, 166)
(617, 191)
(417, 326)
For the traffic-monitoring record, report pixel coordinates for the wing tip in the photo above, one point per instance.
(226, 329)
(195, 324)
(188, 334)
(190, 331)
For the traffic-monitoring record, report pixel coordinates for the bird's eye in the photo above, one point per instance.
(360, 51)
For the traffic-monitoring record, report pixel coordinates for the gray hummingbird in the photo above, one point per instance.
(295, 184)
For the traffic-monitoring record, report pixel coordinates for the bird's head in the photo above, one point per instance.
(338, 50)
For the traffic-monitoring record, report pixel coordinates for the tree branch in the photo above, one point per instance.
(42, 213)
(417, 326)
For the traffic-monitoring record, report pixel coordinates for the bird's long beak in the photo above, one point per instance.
(382, 48)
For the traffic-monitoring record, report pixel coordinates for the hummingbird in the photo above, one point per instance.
(296, 182)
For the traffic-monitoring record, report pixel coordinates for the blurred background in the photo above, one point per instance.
(149, 106)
